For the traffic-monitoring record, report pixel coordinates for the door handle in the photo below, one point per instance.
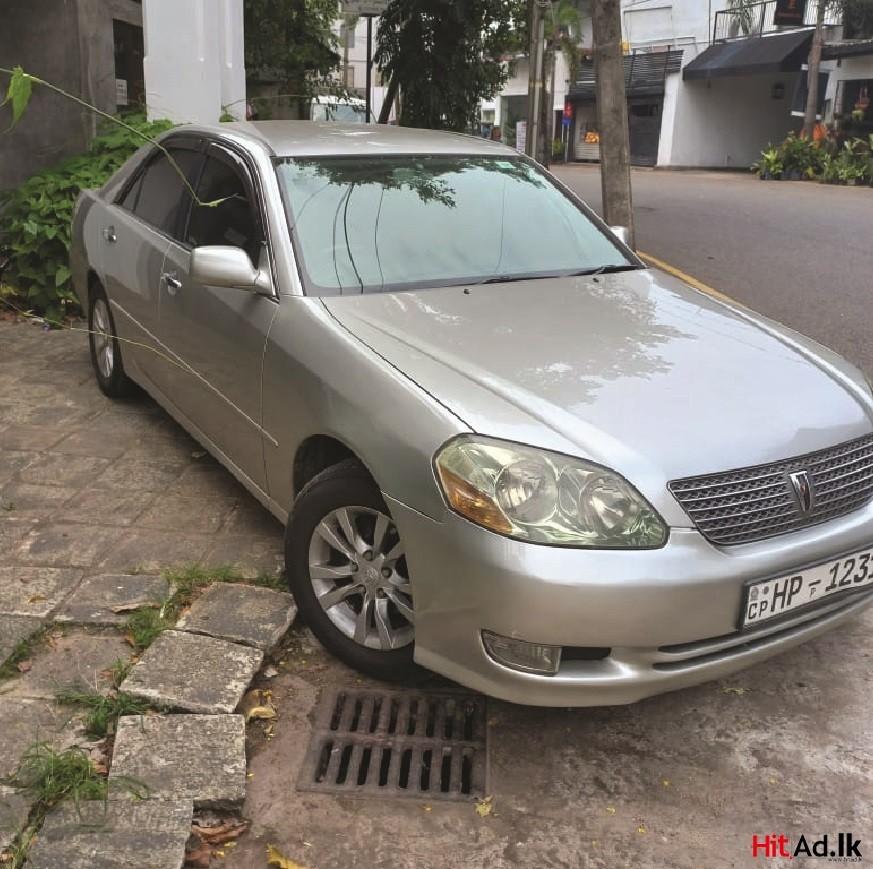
(172, 282)
(109, 234)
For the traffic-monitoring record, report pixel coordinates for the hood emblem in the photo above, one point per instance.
(804, 494)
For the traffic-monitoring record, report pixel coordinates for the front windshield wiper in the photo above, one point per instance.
(600, 270)
(606, 270)
(511, 279)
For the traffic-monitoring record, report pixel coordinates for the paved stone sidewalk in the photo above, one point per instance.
(96, 497)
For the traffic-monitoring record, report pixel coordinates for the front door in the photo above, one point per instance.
(644, 128)
(218, 334)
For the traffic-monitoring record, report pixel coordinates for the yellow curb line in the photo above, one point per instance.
(678, 273)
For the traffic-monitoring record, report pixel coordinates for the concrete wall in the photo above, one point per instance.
(69, 43)
(725, 122)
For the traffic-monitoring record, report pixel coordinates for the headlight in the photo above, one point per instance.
(544, 497)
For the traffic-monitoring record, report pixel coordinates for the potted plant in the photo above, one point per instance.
(770, 166)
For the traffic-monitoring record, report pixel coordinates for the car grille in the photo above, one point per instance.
(755, 503)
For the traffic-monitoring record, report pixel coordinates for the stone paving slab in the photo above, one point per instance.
(23, 722)
(77, 662)
(139, 835)
(244, 614)
(35, 591)
(193, 673)
(93, 600)
(14, 809)
(197, 757)
(14, 629)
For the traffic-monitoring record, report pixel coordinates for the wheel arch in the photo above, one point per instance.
(317, 453)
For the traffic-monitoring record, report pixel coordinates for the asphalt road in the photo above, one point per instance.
(801, 253)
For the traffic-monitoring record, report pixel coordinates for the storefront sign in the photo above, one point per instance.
(789, 12)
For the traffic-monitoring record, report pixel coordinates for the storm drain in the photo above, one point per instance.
(398, 744)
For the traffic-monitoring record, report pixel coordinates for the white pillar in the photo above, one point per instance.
(233, 68)
(193, 59)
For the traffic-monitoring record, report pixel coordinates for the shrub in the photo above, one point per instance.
(35, 219)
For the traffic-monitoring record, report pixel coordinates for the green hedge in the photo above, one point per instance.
(35, 219)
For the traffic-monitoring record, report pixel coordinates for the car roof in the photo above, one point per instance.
(313, 138)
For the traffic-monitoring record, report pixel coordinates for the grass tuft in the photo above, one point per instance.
(104, 710)
(21, 652)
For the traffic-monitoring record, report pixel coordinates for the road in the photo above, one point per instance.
(801, 253)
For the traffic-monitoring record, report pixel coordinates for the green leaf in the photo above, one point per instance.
(20, 86)
(62, 275)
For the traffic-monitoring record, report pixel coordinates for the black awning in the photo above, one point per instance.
(784, 52)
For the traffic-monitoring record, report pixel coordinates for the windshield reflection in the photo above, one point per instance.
(416, 221)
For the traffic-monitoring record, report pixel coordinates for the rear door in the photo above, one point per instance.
(218, 334)
(134, 239)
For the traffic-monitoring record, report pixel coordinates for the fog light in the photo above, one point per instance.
(528, 657)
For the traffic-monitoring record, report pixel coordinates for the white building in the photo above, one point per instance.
(706, 87)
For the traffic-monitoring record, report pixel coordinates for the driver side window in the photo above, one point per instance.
(228, 217)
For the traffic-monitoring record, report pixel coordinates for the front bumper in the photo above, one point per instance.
(669, 615)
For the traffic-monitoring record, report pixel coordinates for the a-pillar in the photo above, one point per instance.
(194, 66)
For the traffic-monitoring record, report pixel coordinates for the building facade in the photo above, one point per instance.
(706, 86)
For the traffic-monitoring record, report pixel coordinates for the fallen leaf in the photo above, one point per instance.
(130, 607)
(484, 806)
(428, 808)
(36, 598)
(276, 858)
(666, 782)
(641, 828)
(773, 780)
(737, 691)
(270, 673)
(594, 843)
(25, 666)
(610, 810)
(223, 833)
(200, 858)
(260, 712)
(198, 454)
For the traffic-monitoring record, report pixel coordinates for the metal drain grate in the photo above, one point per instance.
(398, 744)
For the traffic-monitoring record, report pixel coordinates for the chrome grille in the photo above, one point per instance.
(755, 503)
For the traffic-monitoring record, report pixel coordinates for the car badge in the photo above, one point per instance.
(804, 494)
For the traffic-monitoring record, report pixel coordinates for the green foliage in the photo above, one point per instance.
(292, 41)
(50, 777)
(20, 87)
(35, 224)
(446, 56)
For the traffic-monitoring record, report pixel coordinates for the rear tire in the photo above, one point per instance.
(105, 349)
(347, 571)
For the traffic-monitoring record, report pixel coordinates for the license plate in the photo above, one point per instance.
(769, 598)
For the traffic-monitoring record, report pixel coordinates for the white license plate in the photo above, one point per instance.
(775, 597)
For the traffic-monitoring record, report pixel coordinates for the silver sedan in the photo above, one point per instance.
(505, 449)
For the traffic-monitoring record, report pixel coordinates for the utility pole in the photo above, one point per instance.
(814, 65)
(612, 116)
(535, 96)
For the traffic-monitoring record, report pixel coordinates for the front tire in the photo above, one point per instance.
(347, 571)
(105, 349)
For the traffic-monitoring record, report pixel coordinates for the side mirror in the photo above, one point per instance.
(227, 266)
(622, 233)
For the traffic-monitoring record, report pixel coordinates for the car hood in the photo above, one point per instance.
(636, 371)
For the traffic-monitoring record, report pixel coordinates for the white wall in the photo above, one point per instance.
(193, 59)
(725, 122)
(849, 68)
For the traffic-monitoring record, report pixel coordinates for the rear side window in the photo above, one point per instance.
(229, 222)
(161, 195)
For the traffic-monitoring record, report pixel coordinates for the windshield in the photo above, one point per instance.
(401, 222)
(347, 113)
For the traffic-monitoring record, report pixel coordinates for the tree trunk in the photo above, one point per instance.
(809, 117)
(612, 116)
(390, 94)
